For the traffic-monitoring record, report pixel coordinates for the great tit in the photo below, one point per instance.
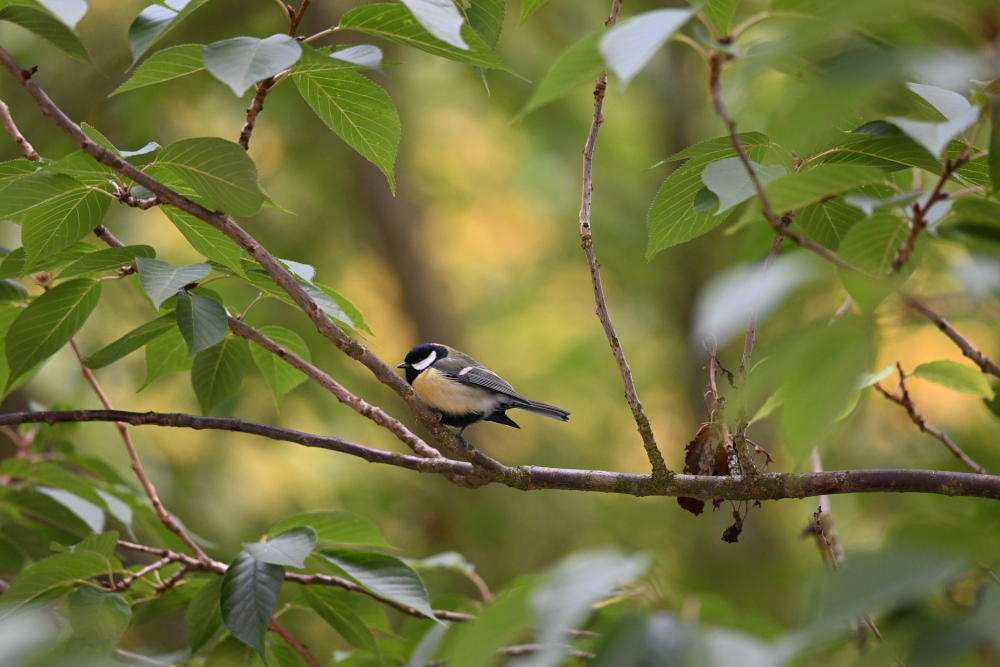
(463, 391)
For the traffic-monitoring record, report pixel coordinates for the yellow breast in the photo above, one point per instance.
(445, 395)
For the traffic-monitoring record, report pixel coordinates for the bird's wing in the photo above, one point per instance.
(481, 377)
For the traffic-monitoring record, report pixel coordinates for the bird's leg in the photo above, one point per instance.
(460, 437)
(438, 416)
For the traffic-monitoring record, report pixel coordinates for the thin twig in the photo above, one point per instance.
(903, 399)
(131, 579)
(147, 485)
(264, 87)
(985, 363)
(765, 486)
(299, 647)
(755, 313)
(919, 221)
(642, 422)
(715, 86)
(616, 6)
(15, 134)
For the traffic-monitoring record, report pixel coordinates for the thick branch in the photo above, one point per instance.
(278, 273)
(15, 134)
(980, 359)
(140, 472)
(645, 428)
(767, 486)
(902, 398)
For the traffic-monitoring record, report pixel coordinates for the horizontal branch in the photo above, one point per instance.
(769, 486)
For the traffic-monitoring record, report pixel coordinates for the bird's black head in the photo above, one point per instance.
(420, 359)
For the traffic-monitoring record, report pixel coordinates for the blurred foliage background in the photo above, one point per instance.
(480, 250)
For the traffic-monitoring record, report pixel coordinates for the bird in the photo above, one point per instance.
(461, 391)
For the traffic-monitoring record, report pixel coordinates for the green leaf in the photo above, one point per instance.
(68, 11)
(564, 599)
(54, 226)
(37, 190)
(49, 29)
(427, 645)
(283, 655)
(217, 372)
(168, 353)
(108, 259)
(802, 188)
(281, 376)
(336, 527)
(954, 375)
(7, 317)
(83, 167)
(48, 324)
(949, 104)
(289, 547)
(241, 62)
(53, 577)
(827, 222)
(161, 281)
(355, 318)
(86, 511)
(261, 280)
(888, 153)
(202, 320)
(249, 594)
(231, 652)
(50, 475)
(203, 617)
(11, 290)
(994, 157)
(357, 110)
(156, 21)
(11, 170)
(440, 18)
(868, 583)
(502, 624)
(936, 136)
(218, 170)
(383, 575)
(872, 243)
(98, 618)
(486, 18)
(394, 22)
(529, 7)
(630, 44)
(207, 240)
(329, 603)
(103, 544)
(720, 13)
(672, 216)
(171, 63)
(576, 66)
(729, 181)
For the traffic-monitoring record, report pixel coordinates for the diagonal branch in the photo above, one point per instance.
(363, 408)
(140, 472)
(299, 647)
(275, 270)
(715, 87)
(766, 486)
(264, 87)
(642, 422)
(985, 363)
(902, 398)
(15, 134)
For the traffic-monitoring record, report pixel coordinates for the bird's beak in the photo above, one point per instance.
(403, 365)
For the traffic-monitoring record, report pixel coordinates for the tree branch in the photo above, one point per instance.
(985, 363)
(147, 485)
(15, 134)
(715, 88)
(278, 273)
(642, 422)
(299, 647)
(919, 222)
(902, 398)
(766, 486)
(264, 87)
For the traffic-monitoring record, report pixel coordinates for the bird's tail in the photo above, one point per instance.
(545, 409)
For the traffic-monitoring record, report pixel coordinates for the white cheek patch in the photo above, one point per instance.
(465, 370)
(431, 358)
